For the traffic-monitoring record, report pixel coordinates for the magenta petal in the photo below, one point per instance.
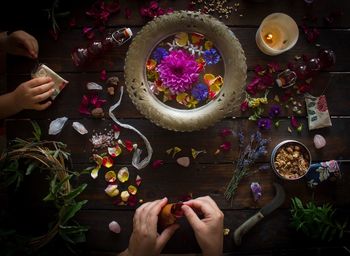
(127, 13)
(225, 132)
(226, 146)
(157, 163)
(294, 122)
(84, 105)
(103, 75)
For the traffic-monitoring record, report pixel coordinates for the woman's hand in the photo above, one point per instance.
(20, 43)
(145, 240)
(209, 230)
(30, 94)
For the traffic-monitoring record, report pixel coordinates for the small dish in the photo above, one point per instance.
(291, 160)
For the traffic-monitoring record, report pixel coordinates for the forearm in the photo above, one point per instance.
(8, 105)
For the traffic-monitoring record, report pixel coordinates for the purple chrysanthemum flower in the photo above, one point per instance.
(264, 123)
(159, 54)
(200, 92)
(178, 71)
(211, 56)
(256, 190)
(275, 111)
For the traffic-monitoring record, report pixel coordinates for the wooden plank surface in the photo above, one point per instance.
(209, 173)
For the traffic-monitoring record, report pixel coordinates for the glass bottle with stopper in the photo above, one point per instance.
(83, 55)
(307, 68)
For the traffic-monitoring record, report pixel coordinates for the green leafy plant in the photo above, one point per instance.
(26, 156)
(316, 221)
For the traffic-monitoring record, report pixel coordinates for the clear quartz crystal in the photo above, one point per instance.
(56, 125)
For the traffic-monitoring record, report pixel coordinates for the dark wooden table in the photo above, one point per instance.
(209, 173)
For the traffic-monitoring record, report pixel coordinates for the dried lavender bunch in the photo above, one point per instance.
(249, 153)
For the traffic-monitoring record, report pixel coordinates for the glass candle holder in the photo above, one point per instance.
(277, 33)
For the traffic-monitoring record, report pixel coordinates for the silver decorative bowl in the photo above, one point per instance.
(228, 99)
(283, 164)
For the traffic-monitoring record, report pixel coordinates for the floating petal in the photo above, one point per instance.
(208, 45)
(181, 39)
(132, 190)
(107, 162)
(151, 64)
(138, 180)
(79, 128)
(125, 196)
(112, 190)
(123, 174)
(114, 227)
(207, 78)
(110, 176)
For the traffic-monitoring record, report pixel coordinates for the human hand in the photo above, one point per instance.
(209, 230)
(20, 43)
(145, 240)
(30, 94)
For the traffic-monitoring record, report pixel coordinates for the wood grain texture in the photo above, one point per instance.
(209, 173)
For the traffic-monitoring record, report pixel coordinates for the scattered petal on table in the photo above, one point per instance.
(125, 196)
(114, 151)
(157, 163)
(132, 190)
(138, 180)
(225, 132)
(98, 159)
(93, 86)
(112, 190)
(107, 162)
(175, 151)
(110, 176)
(226, 146)
(94, 172)
(128, 145)
(103, 75)
(195, 153)
(123, 174)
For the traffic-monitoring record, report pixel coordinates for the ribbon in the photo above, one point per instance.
(136, 162)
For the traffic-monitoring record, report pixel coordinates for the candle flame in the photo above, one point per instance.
(269, 38)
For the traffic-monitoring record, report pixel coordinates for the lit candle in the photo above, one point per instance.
(277, 33)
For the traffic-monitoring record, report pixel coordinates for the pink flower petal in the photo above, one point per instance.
(226, 146)
(127, 13)
(294, 122)
(128, 145)
(103, 75)
(225, 132)
(84, 105)
(157, 163)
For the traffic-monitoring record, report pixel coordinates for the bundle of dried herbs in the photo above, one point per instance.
(249, 152)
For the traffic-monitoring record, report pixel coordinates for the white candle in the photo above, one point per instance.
(277, 33)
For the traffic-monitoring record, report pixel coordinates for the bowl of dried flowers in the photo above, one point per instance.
(185, 71)
(290, 160)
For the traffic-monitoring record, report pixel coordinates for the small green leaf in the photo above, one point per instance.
(68, 212)
(37, 130)
(31, 167)
(74, 193)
